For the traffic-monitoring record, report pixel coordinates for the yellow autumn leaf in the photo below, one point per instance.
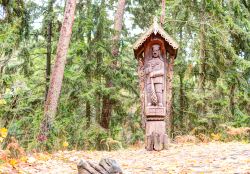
(3, 132)
(13, 162)
(2, 102)
(216, 136)
(1, 139)
(65, 144)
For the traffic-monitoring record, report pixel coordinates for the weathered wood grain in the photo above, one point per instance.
(105, 166)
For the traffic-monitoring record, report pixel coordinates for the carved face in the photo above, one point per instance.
(156, 51)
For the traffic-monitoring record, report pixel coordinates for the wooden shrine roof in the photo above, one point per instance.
(154, 29)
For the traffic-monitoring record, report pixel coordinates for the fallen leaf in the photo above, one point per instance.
(13, 162)
(65, 144)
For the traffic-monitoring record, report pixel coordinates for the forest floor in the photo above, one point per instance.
(214, 157)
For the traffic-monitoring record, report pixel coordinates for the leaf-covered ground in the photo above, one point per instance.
(213, 157)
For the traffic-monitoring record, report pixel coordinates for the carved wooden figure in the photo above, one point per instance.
(155, 51)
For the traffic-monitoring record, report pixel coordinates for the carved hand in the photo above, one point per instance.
(147, 70)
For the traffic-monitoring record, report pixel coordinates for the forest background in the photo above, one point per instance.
(211, 90)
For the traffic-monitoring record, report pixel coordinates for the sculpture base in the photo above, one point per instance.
(156, 137)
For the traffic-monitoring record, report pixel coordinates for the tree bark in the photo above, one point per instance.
(48, 54)
(232, 96)
(118, 27)
(163, 11)
(182, 102)
(169, 86)
(202, 57)
(141, 75)
(182, 96)
(202, 69)
(107, 102)
(58, 70)
(99, 60)
(87, 71)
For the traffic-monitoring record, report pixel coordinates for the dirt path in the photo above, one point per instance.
(187, 158)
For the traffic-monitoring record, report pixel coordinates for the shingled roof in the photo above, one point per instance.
(154, 29)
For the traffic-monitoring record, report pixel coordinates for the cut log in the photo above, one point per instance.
(105, 166)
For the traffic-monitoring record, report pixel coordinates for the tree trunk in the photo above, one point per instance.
(141, 75)
(232, 95)
(202, 68)
(88, 113)
(107, 103)
(106, 111)
(182, 97)
(118, 28)
(182, 104)
(87, 71)
(98, 103)
(169, 86)
(49, 36)
(99, 61)
(202, 65)
(58, 70)
(163, 11)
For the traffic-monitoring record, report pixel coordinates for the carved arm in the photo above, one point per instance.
(157, 73)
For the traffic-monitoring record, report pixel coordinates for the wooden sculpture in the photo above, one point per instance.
(155, 51)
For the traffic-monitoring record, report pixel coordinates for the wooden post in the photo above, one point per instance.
(155, 91)
(155, 72)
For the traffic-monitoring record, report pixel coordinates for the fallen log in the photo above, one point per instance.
(105, 166)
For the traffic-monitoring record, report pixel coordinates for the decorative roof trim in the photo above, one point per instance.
(154, 29)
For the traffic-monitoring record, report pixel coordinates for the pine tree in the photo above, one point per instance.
(58, 70)
(107, 102)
